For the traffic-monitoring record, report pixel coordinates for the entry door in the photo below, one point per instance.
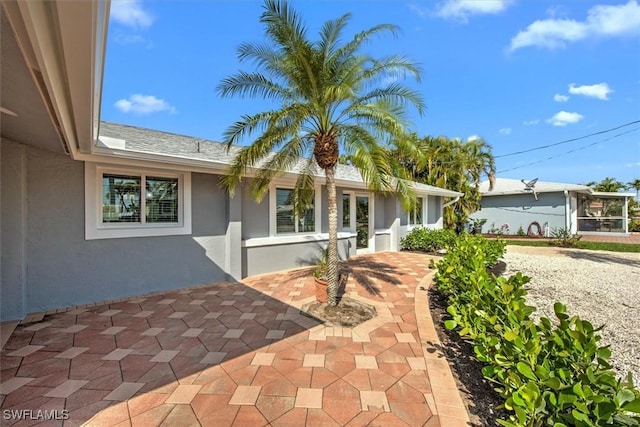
(362, 222)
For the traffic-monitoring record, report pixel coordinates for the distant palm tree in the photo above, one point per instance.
(452, 164)
(607, 185)
(331, 97)
(635, 184)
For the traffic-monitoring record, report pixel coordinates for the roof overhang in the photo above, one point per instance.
(62, 44)
(611, 194)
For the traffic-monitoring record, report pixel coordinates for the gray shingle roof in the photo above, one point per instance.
(148, 141)
(514, 186)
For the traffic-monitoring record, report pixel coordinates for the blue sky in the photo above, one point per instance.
(518, 73)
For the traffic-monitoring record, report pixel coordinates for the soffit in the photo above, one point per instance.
(19, 93)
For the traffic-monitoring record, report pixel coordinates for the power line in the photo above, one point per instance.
(575, 149)
(566, 141)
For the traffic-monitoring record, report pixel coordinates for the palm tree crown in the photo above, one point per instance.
(453, 164)
(635, 184)
(331, 98)
(609, 184)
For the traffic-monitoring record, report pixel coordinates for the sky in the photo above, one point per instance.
(520, 74)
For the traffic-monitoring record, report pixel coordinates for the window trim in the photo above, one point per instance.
(424, 214)
(352, 209)
(96, 229)
(273, 207)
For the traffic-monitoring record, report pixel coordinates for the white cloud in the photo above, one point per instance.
(557, 11)
(560, 98)
(632, 165)
(143, 104)
(461, 10)
(131, 14)
(505, 131)
(564, 118)
(531, 122)
(474, 138)
(602, 20)
(600, 90)
(418, 10)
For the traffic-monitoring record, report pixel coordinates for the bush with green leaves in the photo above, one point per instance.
(549, 373)
(564, 238)
(427, 240)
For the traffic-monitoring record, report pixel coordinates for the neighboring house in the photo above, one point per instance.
(96, 211)
(551, 205)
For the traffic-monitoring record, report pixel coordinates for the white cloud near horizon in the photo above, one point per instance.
(505, 131)
(602, 20)
(143, 104)
(130, 13)
(600, 90)
(560, 98)
(462, 10)
(474, 138)
(564, 118)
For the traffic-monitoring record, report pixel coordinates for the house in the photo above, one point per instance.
(94, 211)
(539, 206)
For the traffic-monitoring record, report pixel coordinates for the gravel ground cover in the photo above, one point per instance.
(601, 287)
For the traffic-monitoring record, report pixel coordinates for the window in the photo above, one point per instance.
(287, 219)
(346, 211)
(416, 214)
(122, 200)
(136, 203)
(601, 214)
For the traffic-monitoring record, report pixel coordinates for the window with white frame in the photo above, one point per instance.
(134, 203)
(416, 215)
(123, 199)
(288, 219)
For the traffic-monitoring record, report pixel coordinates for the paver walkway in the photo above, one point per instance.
(238, 354)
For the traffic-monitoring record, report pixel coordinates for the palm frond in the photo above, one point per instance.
(394, 94)
(330, 35)
(252, 85)
(351, 48)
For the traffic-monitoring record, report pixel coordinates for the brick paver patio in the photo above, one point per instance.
(239, 354)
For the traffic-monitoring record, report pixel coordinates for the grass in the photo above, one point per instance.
(595, 246)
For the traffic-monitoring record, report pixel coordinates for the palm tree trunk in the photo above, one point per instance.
(332, 253)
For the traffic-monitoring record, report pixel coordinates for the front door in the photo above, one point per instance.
(362, 222)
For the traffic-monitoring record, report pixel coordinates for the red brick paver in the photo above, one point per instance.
(240, 354)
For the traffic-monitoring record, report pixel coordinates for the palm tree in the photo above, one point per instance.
(331, 98)
(635, 184)
(453, 164)
(607, 185)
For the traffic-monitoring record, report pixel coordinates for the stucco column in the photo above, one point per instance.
(233, 257)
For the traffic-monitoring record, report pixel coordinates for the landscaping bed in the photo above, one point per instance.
(548, 367)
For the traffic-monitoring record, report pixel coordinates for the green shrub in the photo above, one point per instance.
(634, 225)
(427, 240)
(549, 373)
(562, 237)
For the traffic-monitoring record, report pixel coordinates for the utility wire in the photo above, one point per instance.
(567, 141)
(575, 149)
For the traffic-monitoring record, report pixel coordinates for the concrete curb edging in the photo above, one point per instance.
(445, 396)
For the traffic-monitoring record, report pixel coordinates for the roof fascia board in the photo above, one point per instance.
(67, 86)
(143, 159)
(611, 194)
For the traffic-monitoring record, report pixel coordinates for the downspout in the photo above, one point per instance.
(567, 210)
(445, 205)
(451, 202)
(625, 215)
